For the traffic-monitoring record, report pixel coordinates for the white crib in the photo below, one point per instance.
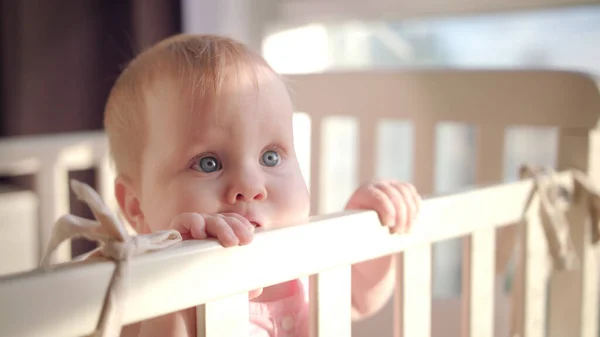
(67, 301)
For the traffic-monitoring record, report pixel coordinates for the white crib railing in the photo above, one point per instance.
(490, 101)
(67, 301)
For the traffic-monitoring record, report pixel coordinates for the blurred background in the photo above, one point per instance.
(60, 58)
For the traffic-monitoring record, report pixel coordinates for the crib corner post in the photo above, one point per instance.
(51, 186)
(573, 294)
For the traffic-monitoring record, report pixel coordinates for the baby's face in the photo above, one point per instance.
(238, 158)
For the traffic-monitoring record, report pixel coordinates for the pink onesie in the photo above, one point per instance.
(287, 317)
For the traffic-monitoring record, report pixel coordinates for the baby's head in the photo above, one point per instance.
(200, 123)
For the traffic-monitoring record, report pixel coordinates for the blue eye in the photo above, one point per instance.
(270, 158)
(207, 164)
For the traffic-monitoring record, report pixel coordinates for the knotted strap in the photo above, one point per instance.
(594, 203)
(554, 203)
(115, 244)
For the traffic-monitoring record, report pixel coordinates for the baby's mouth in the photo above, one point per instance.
(255, 224)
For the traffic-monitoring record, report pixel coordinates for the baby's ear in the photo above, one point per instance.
(129, 203)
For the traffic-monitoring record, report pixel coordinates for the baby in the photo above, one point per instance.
(200, 129)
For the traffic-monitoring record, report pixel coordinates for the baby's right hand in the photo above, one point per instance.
(230, 229)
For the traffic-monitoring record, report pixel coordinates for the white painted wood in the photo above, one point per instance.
(316, 168)
(575, 312)
(559, 99)
(50, 158)
(105, 182)
(416, 283)
(562, 99)
(19, 241)
(23, 154)
(591, 280)
(424, 155)
(416, 314)
(528, 98)
(398, 299)
(163, 279)
(529, 292)
(479, 248)
(330, 303)
(226, 317)
(478, 297)
(52, 187)
(367, 149)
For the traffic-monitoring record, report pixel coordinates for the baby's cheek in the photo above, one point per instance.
(158, 218)
(293, 202)
(161, 210)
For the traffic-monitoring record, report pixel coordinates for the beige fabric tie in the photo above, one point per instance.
(554, 203)
(115, 244)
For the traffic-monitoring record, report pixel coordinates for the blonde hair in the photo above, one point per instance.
(201, 63)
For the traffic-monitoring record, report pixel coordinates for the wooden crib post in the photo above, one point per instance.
(573, 295)
(105, 180)
(479, 248)
(529, 290)
(413, 293)
(330, 303)
(224, 317)
(51, 185)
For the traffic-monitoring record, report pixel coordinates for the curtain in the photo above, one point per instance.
(59, 60)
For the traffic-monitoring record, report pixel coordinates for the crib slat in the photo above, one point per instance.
(398, 300)
(105, 180)
(490, 154)
(478, 283)
(53, 191)
(416, 292)
(479, 247)
(412, 286)
(316, 170)
(424, 155)
(227, 317)
(529, 291)
(330, 303)
(367, 155)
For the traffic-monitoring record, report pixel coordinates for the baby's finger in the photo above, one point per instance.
(415, 196)
(381, 203)
(217, 227)
(242, 219)
(243, 232)
(190, 225)
(400, 210)
(409, 205)
(411, 202)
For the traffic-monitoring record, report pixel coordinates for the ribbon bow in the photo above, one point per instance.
(115, 244)
(554, 203)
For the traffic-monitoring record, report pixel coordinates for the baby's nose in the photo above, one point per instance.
(246, 189)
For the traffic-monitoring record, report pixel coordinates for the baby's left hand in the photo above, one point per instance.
(397, 204)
